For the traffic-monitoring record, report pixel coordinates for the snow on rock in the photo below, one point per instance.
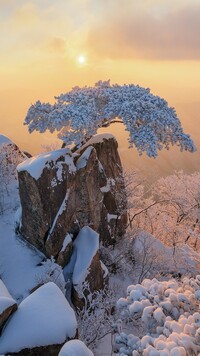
(86, 245)
(59, 213)
(43, 318)
(106, 188)
(98, 138)
(11, 151)
(86, 273)
(4, 291)
(170, 319)
(35, 165)
(66, 251)
(66, 242)
(104, 269)
(75, 348)
(82, 160)
(112, 217)
(7, 305)
(6, 299)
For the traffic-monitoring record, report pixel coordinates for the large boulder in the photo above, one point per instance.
(88, 195)
(45, 182)
(75, 348)
(114, 207)
(7, 305)
(62, 192)
(12, 152)
(43, 322)
(82, 206)
(88, 273)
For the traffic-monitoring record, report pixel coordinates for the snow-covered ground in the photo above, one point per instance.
(19, 262)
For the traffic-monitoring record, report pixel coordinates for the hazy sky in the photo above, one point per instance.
(153, 43)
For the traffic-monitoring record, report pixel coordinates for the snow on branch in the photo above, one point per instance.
(78, 114)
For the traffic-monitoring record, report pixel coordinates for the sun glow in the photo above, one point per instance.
(81, 59)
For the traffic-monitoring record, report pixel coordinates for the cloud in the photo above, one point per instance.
(144, 29)
(6, 2)
(25, 15)
(147, 30)
(56, 44)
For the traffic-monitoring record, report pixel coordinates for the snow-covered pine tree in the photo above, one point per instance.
(78, 114)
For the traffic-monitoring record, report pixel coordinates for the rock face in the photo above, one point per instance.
(51, 350)
(88, 194)
(45, 184)
(114, 208)
(62, 192)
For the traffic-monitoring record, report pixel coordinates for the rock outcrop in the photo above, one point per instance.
(12, 153)
(88, 193)
(87, 271)
(114, 208)
(61, 192)
(46, 183)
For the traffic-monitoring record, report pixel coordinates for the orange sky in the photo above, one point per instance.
(153, 43)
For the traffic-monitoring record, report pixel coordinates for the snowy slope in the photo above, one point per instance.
(18, 268)
(20, 263)
(181, 259)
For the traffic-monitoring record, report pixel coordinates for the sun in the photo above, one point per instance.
(81, 59)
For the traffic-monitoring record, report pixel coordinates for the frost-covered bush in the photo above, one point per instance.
(169, 312)
(96, 318)
(79, 113)
(10, 157)
(170, 211)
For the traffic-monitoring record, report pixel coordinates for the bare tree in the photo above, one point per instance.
(98, 316)
(170, 210)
